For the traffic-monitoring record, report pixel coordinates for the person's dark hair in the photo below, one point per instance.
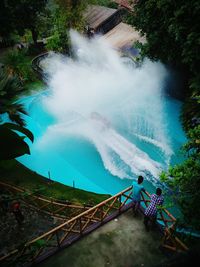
(140, 179)
(158, 191)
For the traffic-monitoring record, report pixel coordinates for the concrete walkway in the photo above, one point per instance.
(122, 242)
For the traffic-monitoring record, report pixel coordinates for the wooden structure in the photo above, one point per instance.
(50, 206)
(70, 231)
(102, 19)
(167, 224)
(123, 35)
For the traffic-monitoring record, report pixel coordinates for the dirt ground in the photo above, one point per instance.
(13, 235)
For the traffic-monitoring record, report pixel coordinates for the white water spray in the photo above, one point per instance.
(127, 102)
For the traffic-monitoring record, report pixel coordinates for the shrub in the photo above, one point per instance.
(18, 63)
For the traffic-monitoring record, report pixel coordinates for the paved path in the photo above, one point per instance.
(122, 242)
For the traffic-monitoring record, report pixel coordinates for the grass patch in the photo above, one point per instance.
(15, 173)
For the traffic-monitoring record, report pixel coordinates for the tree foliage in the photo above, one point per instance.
(107, 3)
(172, 29)
(18, 63)
(12, 143)
(6, 24)
(65, 16)
(184, 179)
(59, 39)
(21, 15)
(73, 12)
(10, 87)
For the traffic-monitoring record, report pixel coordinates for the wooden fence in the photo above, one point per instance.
(167, 223)
(51, 206)
(70, 231)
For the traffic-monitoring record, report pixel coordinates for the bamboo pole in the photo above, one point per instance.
(66, 234)
(54, 202)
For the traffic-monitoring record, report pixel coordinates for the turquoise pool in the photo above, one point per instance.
(74, 160)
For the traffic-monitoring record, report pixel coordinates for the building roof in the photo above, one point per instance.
(123, 35)
(96, 15)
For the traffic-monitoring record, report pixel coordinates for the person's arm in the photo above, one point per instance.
(133, 184)
(161, 201)
(143, 190)
(151, 196)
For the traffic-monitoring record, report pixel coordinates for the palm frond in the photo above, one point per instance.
(10, 89)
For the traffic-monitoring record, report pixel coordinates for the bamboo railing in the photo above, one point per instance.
(50, 206)
(68, 232)
(168, 227)
(71, 230)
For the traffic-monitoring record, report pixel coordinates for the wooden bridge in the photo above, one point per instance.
(82, 224)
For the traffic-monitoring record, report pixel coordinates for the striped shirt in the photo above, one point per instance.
(151, 210)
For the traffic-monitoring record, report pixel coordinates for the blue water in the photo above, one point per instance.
(75, 161)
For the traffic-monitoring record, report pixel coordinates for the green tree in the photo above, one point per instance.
(25, 14)
(18, 63)
(12, 143)
(184, 179)
(67, 15)
(6, 25)
(107, 3)
(10, 87)
(59, 40)
(172, 30)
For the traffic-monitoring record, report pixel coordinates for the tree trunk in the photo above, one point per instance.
(34, 35)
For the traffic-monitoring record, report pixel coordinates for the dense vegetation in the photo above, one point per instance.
(42, 19)
(106, 3)
(20, 15)
(12, 144)
(172, 31)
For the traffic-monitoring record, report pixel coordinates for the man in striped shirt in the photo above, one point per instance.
(150, 213)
